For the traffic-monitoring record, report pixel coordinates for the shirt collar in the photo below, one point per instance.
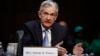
(43, 29)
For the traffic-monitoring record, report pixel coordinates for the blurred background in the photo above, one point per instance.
(75, 12)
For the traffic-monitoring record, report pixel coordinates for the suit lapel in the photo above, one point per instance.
(39, 33)
(54, 36)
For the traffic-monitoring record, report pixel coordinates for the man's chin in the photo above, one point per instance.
(48, 26)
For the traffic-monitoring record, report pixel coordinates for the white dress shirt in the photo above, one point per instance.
(49, 34)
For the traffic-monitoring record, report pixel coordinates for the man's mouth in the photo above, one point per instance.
(47, 21)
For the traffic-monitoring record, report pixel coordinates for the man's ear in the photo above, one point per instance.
(56, 17)
(39, 14)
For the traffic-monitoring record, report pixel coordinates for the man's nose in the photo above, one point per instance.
(48, 17)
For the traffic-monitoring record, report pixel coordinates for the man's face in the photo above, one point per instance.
(47, 16)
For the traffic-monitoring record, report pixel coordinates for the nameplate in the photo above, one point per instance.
(40, 51)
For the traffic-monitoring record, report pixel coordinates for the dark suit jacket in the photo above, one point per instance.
(33, 35)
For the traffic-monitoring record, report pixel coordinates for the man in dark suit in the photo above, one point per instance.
(57, 37)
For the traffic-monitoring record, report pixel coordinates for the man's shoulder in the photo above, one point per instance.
(58, 26)
(33, 23)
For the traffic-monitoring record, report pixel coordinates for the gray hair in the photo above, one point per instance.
(49, 3)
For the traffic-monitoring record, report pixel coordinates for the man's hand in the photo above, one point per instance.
(61, 51)
(78, 50)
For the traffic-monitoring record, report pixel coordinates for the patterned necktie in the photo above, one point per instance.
(45, 40)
